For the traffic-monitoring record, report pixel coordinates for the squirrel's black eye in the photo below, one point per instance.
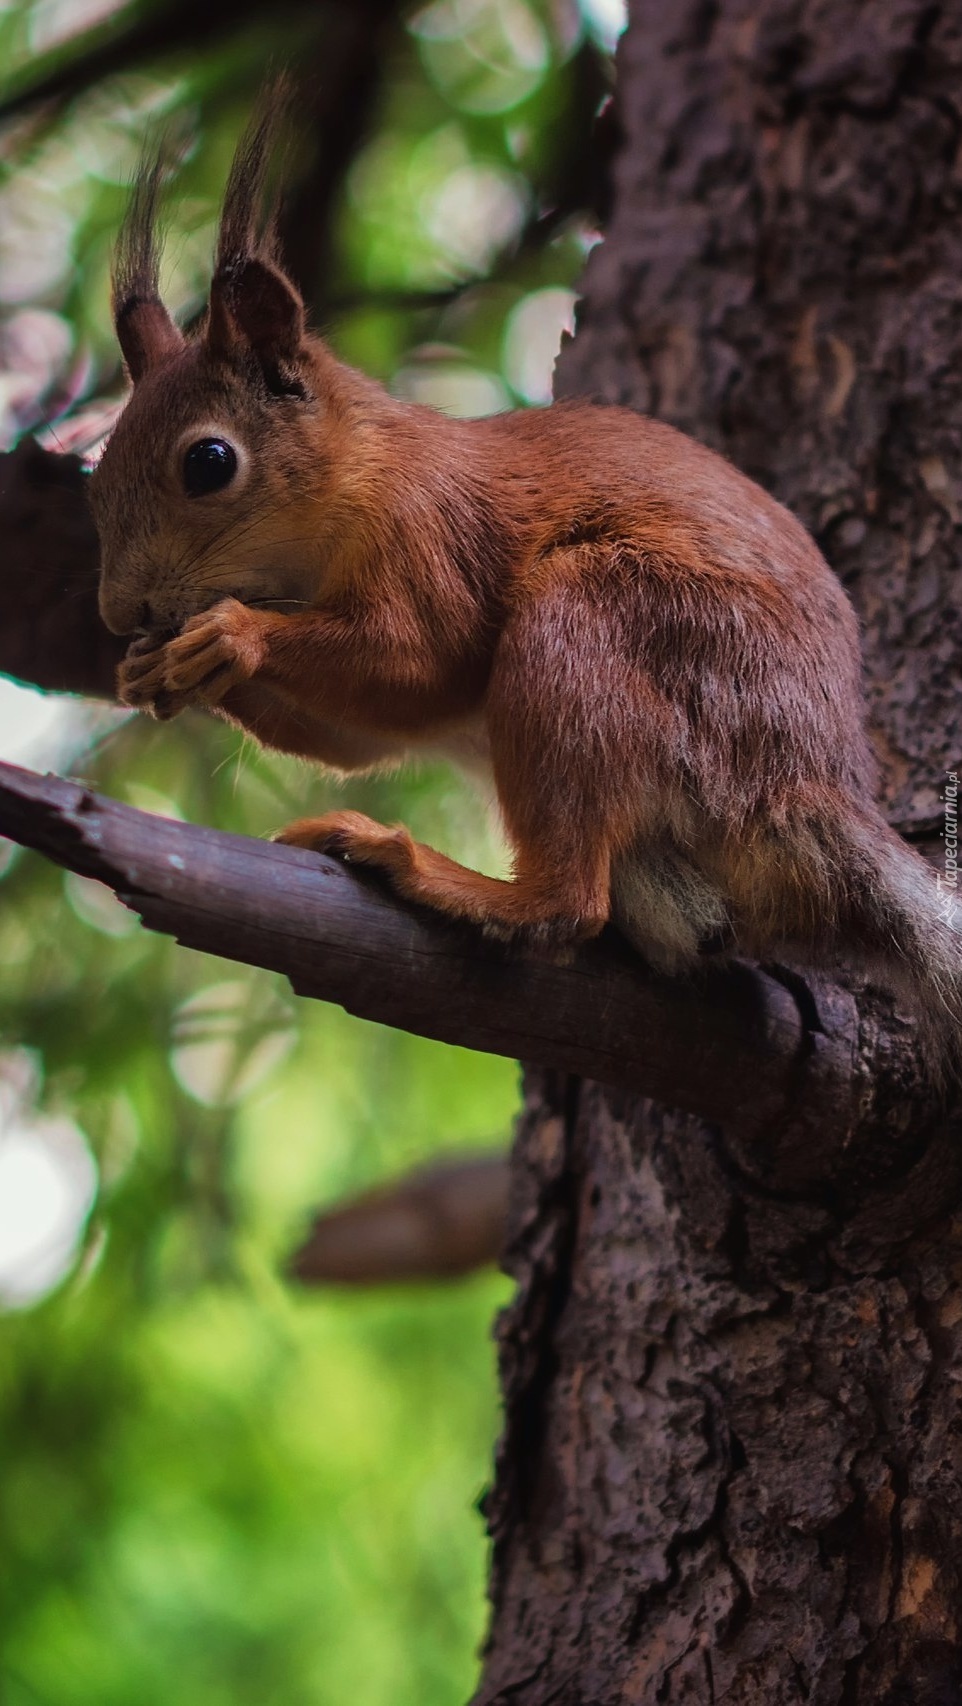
(209, 465)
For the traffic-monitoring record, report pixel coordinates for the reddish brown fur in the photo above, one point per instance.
(649, 651)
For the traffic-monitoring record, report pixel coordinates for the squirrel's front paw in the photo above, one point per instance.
(215, 651)
(140, 679)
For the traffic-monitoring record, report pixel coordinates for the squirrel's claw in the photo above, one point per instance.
(346, 835)
(215, 651)
(140, 678)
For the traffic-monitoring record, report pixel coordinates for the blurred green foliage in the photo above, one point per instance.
(215, 1488)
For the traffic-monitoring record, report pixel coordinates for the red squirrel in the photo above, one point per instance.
(646, 652)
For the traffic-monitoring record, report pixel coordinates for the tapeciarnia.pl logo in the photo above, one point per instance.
(948, 878)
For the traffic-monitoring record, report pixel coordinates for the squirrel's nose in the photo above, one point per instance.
(122, 612)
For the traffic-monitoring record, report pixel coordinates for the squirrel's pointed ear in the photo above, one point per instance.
(255, 310)
(146, 334)
(254, 307)
(145, 331)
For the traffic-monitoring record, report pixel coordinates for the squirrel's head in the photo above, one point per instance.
(208, 487)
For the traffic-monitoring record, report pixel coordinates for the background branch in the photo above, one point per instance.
(436, 1222)
(50, 631)
(124, 43)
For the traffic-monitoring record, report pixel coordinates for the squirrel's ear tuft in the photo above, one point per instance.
(145, 331)
(254, 307)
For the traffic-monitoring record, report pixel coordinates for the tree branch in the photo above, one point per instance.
(797, 1079)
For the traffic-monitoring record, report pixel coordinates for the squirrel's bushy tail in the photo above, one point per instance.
(908, 922)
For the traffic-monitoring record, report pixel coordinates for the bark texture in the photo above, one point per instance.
(730, 1470)
(732, 1460)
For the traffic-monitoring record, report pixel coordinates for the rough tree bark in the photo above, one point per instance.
(731, 1461)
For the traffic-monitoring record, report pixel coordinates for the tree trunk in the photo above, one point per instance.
(731, 1462)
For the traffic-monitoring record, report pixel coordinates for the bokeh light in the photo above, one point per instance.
(48, 1181)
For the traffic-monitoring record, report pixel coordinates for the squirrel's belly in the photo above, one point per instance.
(466, 746)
